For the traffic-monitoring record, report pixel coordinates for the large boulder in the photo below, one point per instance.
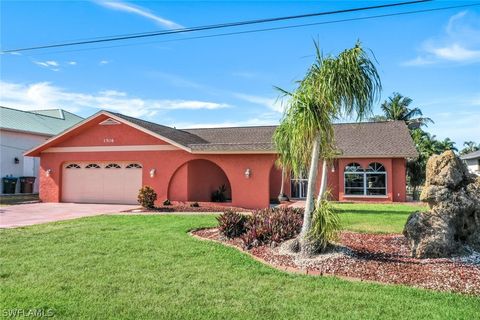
(453, 222)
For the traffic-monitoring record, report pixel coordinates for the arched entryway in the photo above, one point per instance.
(198, 180)
(275, 181)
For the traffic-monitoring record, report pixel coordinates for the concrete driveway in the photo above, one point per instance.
(36, 213)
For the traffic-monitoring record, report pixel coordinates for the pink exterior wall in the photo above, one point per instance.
(178, 178)
(196, 181)
(396, 180)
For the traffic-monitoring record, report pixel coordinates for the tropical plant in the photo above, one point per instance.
(272, 226)
(397, 108)
(146, 197)
(325, 225)
(231, 224)
(469, 147)
(445, 144)
(334, 86)
(219, 195)
(167, 202)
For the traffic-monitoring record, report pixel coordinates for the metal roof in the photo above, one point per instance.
(46, 122)
(471, 155)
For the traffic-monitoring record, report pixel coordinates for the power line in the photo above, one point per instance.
(267, 29)
(211, 27)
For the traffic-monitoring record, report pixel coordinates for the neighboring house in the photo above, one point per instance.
(472, 160)
(109, 156)
(21, 131)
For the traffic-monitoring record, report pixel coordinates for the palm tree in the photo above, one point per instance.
(345, 85)
(469, 147)
(445, 145)
(397, 108)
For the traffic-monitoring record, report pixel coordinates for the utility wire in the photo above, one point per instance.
(211, 27)
(265, 29)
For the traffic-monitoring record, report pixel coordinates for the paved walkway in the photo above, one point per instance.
(36, 213)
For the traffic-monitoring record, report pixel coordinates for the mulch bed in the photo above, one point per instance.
(178, 206)
(372, 257)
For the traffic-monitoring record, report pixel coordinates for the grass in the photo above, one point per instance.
(375, 218)
(148, 267)
(8, 200)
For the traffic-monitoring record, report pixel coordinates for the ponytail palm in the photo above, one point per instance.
(335, 86)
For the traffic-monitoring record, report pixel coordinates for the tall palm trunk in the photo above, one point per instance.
(312, 179)
(281, 195)
(323, 185)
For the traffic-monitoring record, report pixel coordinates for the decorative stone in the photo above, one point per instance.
(452, 226)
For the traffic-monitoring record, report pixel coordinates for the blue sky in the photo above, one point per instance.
(433, 57)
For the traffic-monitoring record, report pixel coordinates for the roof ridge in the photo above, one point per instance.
(235, 127)
(40, 114)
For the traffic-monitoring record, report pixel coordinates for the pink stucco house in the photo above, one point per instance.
(107, 157)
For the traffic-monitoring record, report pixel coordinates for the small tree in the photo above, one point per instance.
(334, 86)
(147, 197)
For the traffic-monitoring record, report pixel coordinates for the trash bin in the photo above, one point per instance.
(26, 184)
(9, 184)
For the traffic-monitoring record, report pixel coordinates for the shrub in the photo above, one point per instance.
(231, 224)
(272, 226)
(146, 197)
(194, 205)
(325, 225)
(167, 202)
(219, 194)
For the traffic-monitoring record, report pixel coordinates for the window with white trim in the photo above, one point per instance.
(365, 182)
(113, 166)
(298, 186)
(133, 166)
(92, 166)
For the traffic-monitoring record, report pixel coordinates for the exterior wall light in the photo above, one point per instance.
(16, 160)
(152, 173)
(248, 173)
(48, 172)
(333, 168)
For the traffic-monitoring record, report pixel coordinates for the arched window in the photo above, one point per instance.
(73, 166)
(365, 182)
(376, 180)
(133, 166)
(92, 166)
(113, 166)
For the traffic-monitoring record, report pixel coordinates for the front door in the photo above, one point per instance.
(299, 188)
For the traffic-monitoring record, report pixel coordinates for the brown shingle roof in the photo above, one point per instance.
(367, 139)
(179, 136)
(370, 139)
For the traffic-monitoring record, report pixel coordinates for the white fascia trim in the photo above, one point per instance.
(112, 148)
(34, 133)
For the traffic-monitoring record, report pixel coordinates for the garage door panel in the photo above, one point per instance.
(101, 182)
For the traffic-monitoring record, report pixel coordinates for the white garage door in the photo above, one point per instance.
(101, 182)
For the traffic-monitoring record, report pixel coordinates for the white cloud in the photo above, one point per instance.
(459, 42)
(104, 62)
(271, 103)
(134, 9)
(72, 63)
(45, 95)
(49, 64)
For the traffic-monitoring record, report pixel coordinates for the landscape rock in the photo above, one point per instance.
(453, 223)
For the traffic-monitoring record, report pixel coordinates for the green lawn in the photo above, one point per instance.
(376, 218)
(148, 267)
